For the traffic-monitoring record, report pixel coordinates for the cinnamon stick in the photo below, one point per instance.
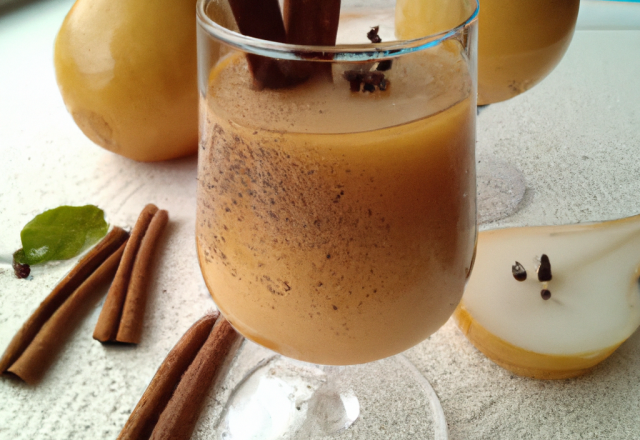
(312, 22)
(130, 328)
(40, 353)
(262, 19)
(85, 267)
(306, 22)
(146, 413)
(109, 319)
(179, 418)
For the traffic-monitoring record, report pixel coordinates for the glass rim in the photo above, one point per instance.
(342, 52)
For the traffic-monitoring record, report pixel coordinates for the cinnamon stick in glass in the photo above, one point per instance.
(306, 22)
(109, 320)
(262, 19)
(85, 267)
(40, 353)
(310, 23)
(146, 413)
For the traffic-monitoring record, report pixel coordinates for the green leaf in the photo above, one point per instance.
(62, 233)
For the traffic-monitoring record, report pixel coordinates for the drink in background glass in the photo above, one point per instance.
(337, 226)
(520, 41)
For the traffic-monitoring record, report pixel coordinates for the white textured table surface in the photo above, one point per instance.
(575, 138)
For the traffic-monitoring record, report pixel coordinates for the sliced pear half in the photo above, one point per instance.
(593, 308)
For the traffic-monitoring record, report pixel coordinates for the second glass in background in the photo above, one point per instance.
(519, 41)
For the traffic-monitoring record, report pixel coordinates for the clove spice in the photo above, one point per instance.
(544, 270)
(373, 36)
(545, 294)
(519, 272)
(369, 80)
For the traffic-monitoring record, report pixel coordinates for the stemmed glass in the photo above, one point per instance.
(336, 220)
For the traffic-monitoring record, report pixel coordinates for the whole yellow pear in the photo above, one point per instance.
(127, 73)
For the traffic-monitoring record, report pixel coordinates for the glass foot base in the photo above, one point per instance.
(501, 187)
(266, 396)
